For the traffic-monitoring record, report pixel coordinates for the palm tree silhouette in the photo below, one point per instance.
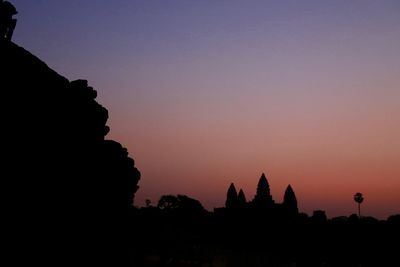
(358, 197)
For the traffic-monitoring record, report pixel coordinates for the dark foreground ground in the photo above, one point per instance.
(163, 238)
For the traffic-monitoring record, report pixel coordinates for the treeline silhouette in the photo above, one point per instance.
(67, 187)
(178, 231)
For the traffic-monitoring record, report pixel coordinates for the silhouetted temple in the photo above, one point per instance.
(263, 201)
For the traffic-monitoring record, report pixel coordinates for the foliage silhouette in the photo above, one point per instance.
(181, 204)
(319, 216)
(148, 202)
(168, 202)
(394, 219)
(358, 197)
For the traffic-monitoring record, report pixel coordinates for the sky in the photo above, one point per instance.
(205, 93)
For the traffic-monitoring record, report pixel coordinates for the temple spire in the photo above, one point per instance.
(263, 196)
(231, 197)
(290, 200)
(241, 198)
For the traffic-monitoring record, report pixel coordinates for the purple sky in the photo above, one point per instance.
(204, 93)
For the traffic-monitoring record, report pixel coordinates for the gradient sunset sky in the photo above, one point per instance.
(205, 93)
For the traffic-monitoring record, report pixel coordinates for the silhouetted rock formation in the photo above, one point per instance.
(7, 22)
(67, 184)
(231, 197)
(359, 198)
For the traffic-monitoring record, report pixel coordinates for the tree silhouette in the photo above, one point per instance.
(168, 202)
(319, 216)
(148, 202)
(181, 204)
(231, 197)
(358, 197)
(290, 201)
